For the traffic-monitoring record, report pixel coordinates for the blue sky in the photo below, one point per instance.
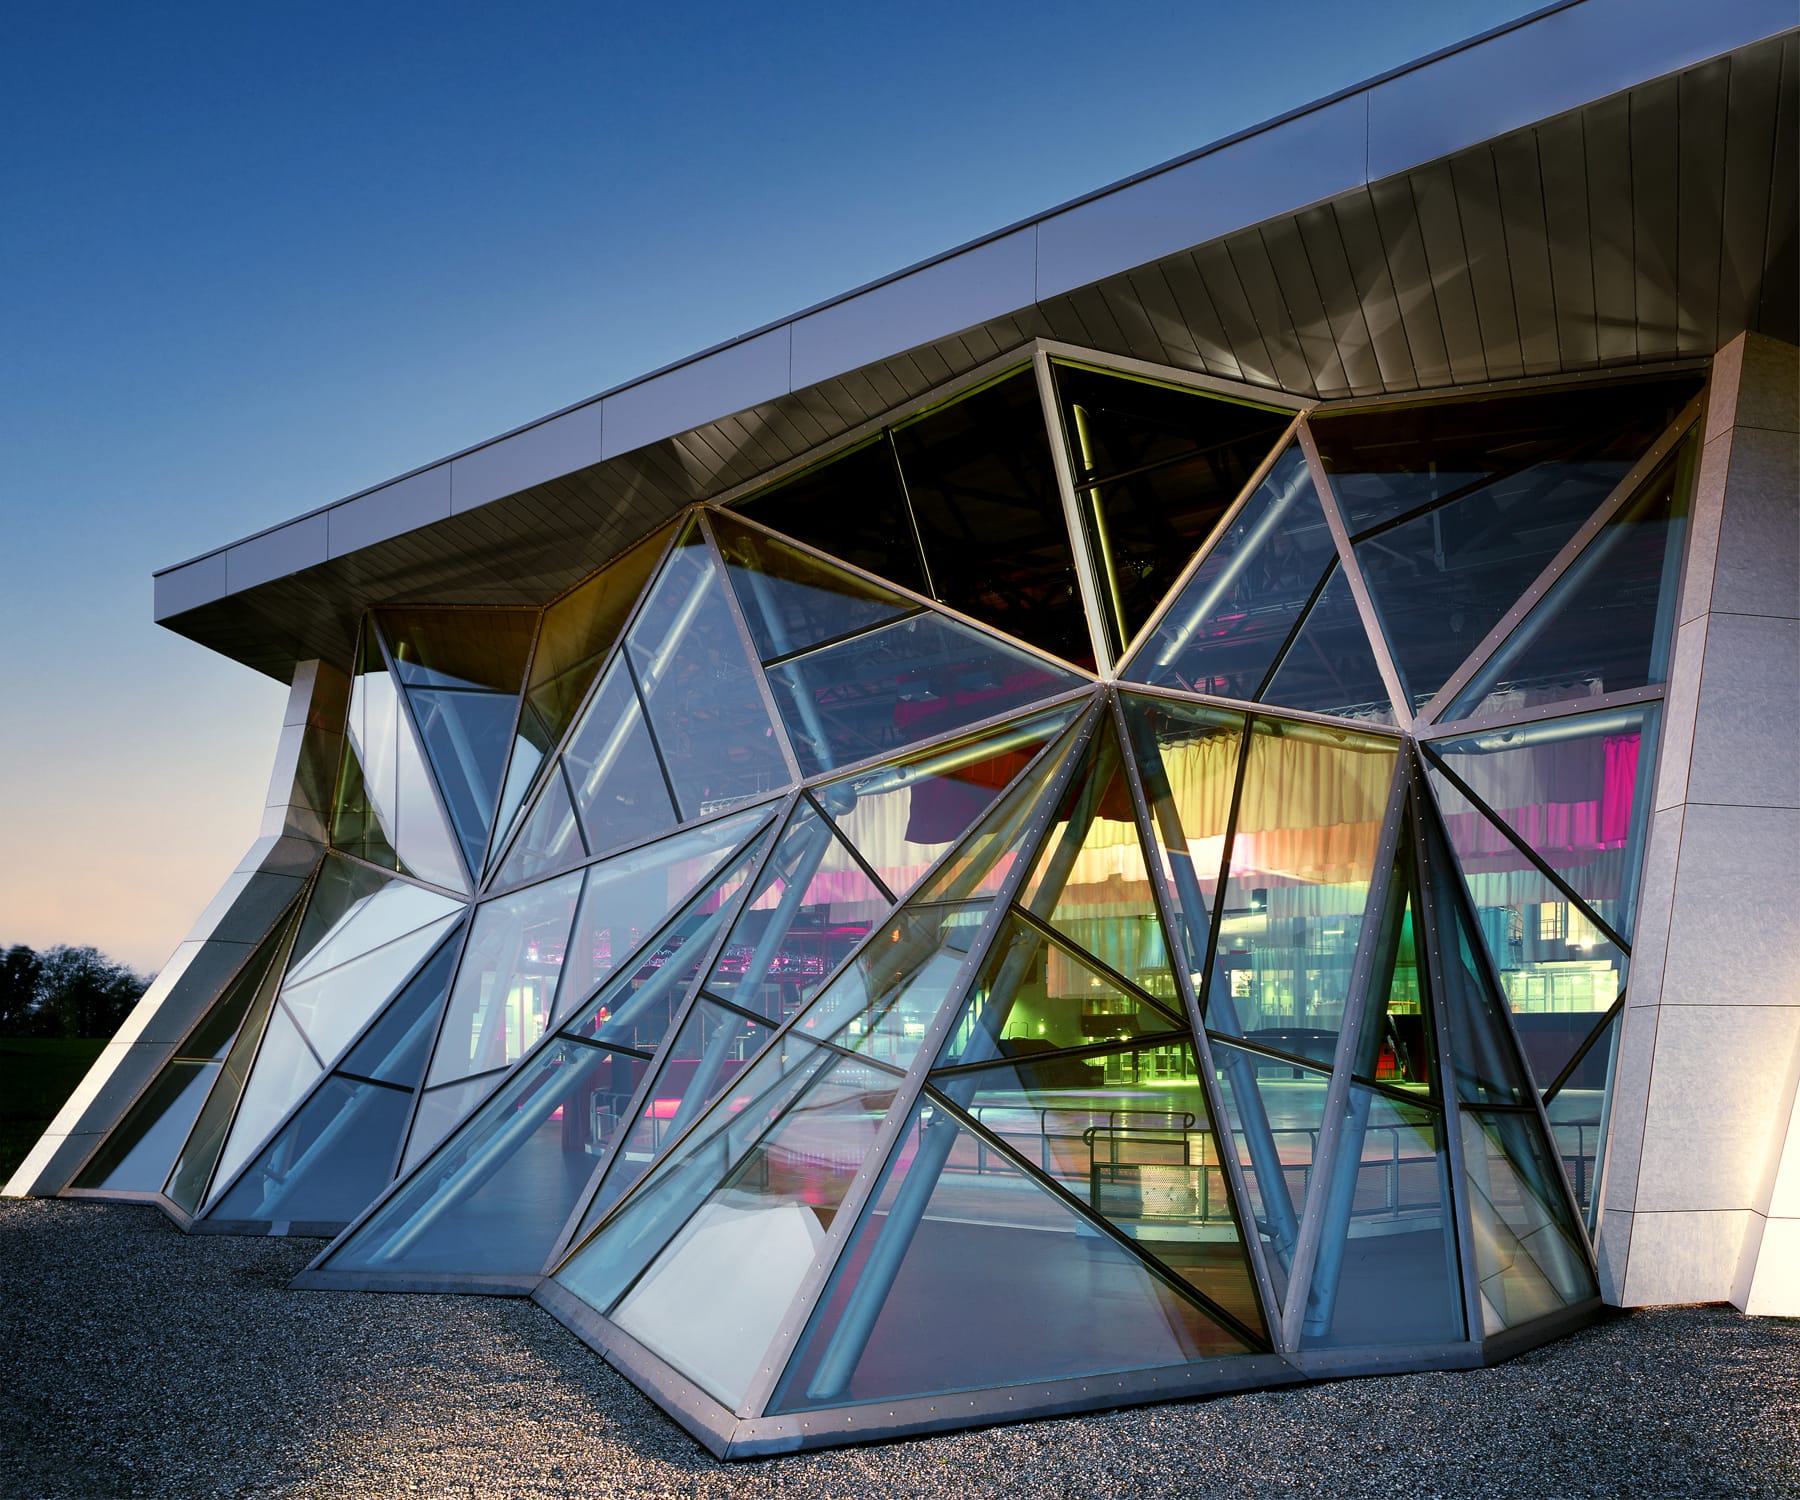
(255, 257)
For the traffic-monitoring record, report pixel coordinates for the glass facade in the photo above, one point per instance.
(1095, 879)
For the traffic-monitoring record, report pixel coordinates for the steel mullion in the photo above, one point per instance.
(495, 831)
(678, 1019)
(1086, 1050)
(747, 642)
(1434, 762)
(1236, 1187)
(1359, 586)
(409, 721)
(1189, 380)
(1606, 1017)
(1544, 713)
(912, 1086)
(1337, 1092)
(782, 658)
(405, 875)
(503, 840)
(855, 854)
(1279, 660)
(1622, 494)
(1129, 650)
(1056, 939)
(1093, 1216)
(656, 751)
(1086, 575)
(1246, 741)
(1242, 706)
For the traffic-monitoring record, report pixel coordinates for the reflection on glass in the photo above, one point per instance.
(984, 497)
(1528, 1255)
(1188, 758)
(466, 737)
(900, 817)
(1127, 1133)
(494, 1197)
(332, 1007)
(285, 1068)
(1235, 613)
(353, 910)
(965, 1272)
(712, 1048)
(1607, 624)
(630, 896)
(550, 839)
(328, 1162)
(702, 1262)
(1577, 1114)
(137, 1156)
(480, 649)
(885, 1000)
(1576, 790)
(1330, 667)
(910, 681)
(1301, 862)
(612, 766)
(1387, 1270)
(1396, 1043)
(701, 691)
(1155, 467)
(1274, 1111)
(851, 506)
(393, 1049)
(500, 1003)
(1557, 968)
(440, 1111)
(792, 600)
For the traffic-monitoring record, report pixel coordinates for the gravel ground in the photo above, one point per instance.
(138, 1361)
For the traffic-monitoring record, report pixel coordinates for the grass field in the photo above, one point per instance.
(36, 1075)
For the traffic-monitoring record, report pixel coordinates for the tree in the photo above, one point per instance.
(74, 992)
(20, 970)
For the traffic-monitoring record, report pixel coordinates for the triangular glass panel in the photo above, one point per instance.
(702, 1261)
(701, 692)
(394, 1049)
(982, 482)
(579, 631)
(1396, 1045)
(637, 1005)
(328, 1162)
(1274, 1110)
(352, 910)
(792, 600)
(1187, 757)
(331, 1007)
(1577, 791)
(1091, 881)
(1577, 1113)
(1387, 1270)
(140, 1151)
(1155, 468)
(851, 506)
(550, 838)
(1302, 859)
(813, 905)
(1128, 1133)
(1529, 1257)
(285, 1068)
(1032, 994)
(630, 896)
(532, 744)
(398, 789)
(1330, 667)
(493, 1197)
(713, 1047)
(1558, 970)
(916, 679)
(1224, 631)
(506, 981)
(467, 738)
(902, 816)
(355, 826)
(1606, 625)
(441, 1110)
(958, 1277)
(613, 769)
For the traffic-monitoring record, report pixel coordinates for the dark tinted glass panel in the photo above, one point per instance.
(1577, 1114)
(984, 494)
(1575, 790)
(328, 1162)
(466, 738)
(393, 1050)
(1155, 468)
(139, 1153)
(792, 600)
(906, 682)
(701, 691)
(851, 507)
(1529, 1258)
(355, 826)
(1387, 1271)
(460, 648)
(965, 1272)
(1606, 624)
(1582, 439)
(1274, 1111)
(1236, 612)
(1330, 667)
(494, 1196)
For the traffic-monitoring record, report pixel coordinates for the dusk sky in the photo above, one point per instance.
(253, 258)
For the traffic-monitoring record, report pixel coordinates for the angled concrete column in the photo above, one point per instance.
(1701, 1190)
(266, 881)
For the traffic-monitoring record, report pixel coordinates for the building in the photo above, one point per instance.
(1196, 794)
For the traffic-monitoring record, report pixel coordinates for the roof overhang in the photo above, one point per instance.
(1604, 184)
